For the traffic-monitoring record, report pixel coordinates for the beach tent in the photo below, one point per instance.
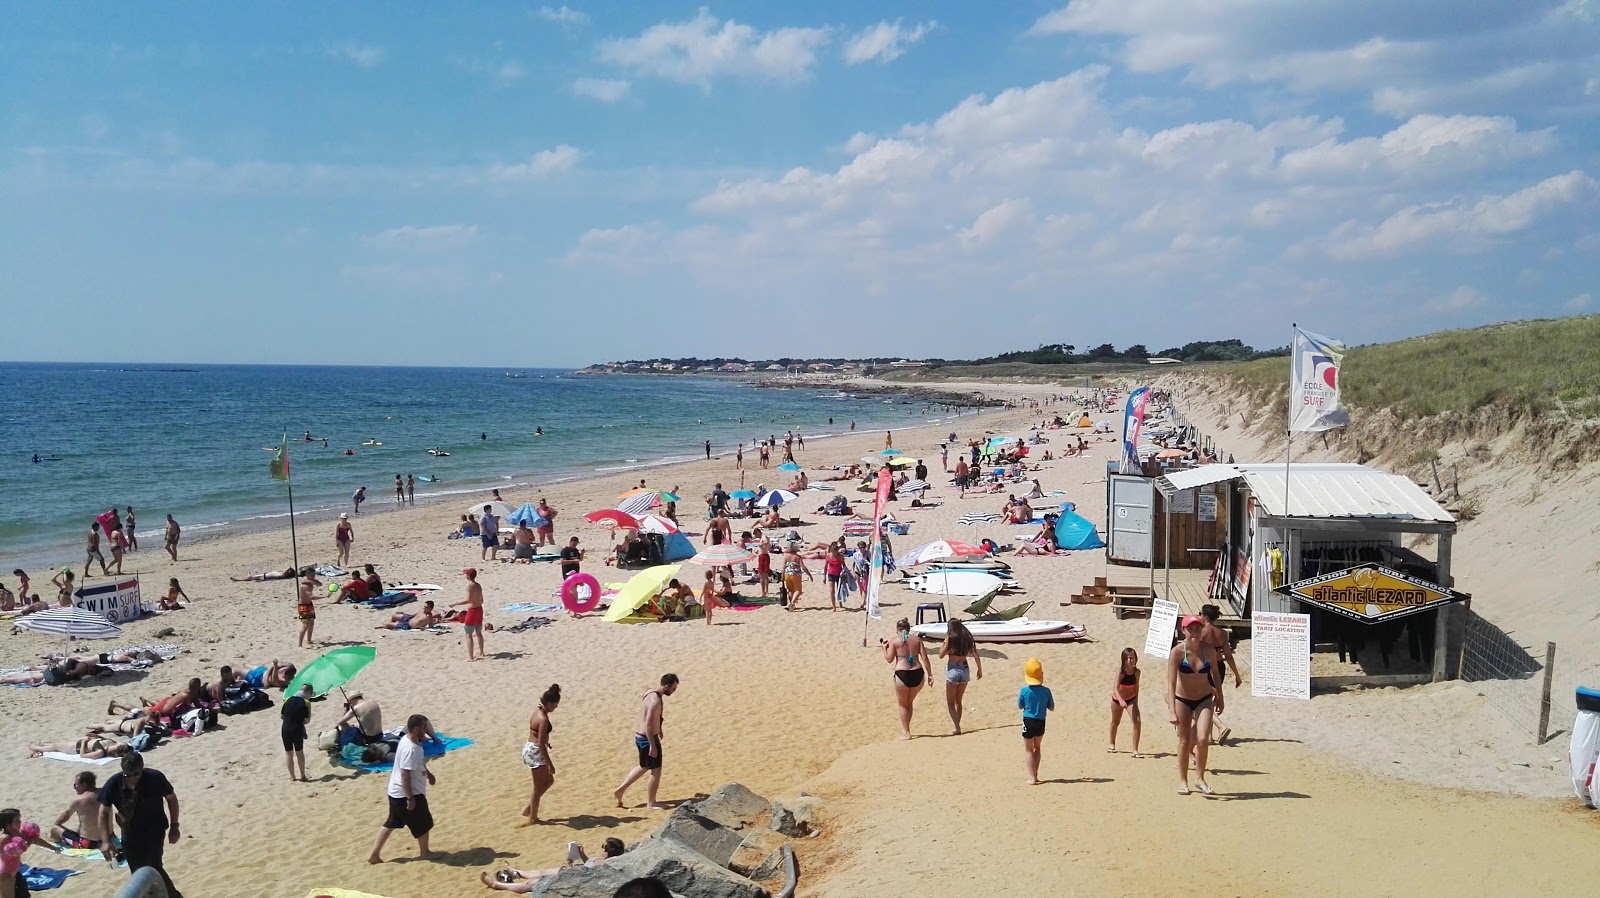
(677, 547)
(1073, 531)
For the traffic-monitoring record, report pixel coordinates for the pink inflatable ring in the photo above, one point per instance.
(570, 595)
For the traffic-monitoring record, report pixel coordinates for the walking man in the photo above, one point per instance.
(708, 450)
(147, 810)
(92, 551)
(738, 457)
(358, 497)
(171, 537)
(408, 790)
(411, 490)
(489, 534)
(399, 490)
(647, 739)
(472, 618)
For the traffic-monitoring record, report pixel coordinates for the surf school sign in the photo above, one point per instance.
(114, 601)
(1371, 593)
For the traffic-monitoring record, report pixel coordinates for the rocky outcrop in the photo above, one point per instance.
(735, 807)
(795, 816)
(710, 838)
(684, 870)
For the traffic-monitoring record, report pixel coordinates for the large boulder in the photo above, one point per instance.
(760, 855)
(690, 829)
(582, 882)
(683, 870)
(795, 816)
(734, 806)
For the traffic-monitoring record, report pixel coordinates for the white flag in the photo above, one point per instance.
(1314, 384)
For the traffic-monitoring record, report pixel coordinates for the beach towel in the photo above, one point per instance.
(532, 623)
(328, 570)
(40, 879)
(533, 607)
(433, 748)
(76, 759)
(390, 600)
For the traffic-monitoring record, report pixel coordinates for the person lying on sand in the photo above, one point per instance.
(68, 671)
(285, 574)
(270, 676)
(89, 748)
(169, 706)
(523, 881)
(415, 620)
(131, 724)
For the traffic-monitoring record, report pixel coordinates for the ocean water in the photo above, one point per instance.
(188, 440)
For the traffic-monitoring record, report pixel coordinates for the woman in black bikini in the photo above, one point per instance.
(1193, 696)
(89, 748)
(910, 659)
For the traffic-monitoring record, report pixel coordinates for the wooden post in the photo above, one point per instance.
(1455, 482)
(1438, 488)
(1544, 698)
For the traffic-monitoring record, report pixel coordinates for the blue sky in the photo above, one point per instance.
(557, 184)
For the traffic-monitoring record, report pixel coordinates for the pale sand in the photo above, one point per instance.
(771, 699)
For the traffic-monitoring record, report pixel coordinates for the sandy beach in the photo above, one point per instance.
(1387, 791)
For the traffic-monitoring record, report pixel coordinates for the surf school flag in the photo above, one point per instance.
(279, 467)
(1314, 384)
(1133, 423)
(116, 601)
(875, 573)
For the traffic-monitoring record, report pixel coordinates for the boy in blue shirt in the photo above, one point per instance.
(1035, 701)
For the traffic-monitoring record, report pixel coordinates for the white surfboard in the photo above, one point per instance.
(411, 587)
(1019, 630)
(955, 583)
(1007, 579)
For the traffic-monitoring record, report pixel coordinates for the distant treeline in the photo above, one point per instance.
(1068, 354)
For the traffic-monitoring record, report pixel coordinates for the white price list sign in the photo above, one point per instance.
(1280, 655)
(1163, 623)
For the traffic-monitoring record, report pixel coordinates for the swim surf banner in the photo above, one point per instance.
(1133, 423)
(1314, 384)
(875, 573)
(115, 602)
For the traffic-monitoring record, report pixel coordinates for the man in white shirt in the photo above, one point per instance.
(408, 787)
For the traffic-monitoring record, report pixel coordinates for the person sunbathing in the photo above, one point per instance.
(89, 748)
(68, 671)
(285, 574)
(131, 724)
(416, 620)
(193, 693)
(523, 881)
(270, 676)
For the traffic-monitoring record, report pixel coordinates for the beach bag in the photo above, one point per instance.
(195, 720)
(1584, 748)
(142, 742)
(328, 740)
(244, 700)
(783, 595)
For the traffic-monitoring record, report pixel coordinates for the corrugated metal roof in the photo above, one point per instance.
(1321, 491)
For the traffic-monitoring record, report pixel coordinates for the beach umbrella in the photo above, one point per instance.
(743, 494)
(774, 498)
(497, 508)
(636, 592)
(73, 623)
(904, 462)
(939, 551)
(978, 517)
(1171, 453)
(788, 466)
(332, 670)
(912, 486)
(890, 453)
(724, 555)
(641, 501)
(528, 514)
(654, 523)
(612, 517)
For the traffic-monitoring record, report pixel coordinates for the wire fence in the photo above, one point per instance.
(1511, 676)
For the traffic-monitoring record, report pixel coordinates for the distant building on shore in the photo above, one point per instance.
(906, 363)
(1163, 360)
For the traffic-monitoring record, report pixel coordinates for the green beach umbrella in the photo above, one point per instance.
(332, 670)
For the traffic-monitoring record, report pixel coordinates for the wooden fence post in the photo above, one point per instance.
(1544, 700)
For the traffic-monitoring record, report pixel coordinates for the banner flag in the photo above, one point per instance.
(279, 466)
(1314, 384)
(1133, 423)
(875, 573)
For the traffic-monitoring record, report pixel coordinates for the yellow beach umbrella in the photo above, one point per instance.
(904, 462)
(636, 592)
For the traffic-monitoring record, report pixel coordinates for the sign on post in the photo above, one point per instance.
(115, 602)
(1280, 655)
(1371, 593)
(1163, 623)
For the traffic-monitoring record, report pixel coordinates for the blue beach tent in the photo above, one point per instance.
(677, 547)
(1073, 531)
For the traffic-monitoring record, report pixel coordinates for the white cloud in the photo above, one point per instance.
(885, 41)
(1461, 299)
(606, 90)
(543, 164)
(1579, 303)
(1488, 217)
(364, 55)
(510, 72)
(563, 16)
(994, 222)
(704, 48)
(1424, 144)
(411, 237)
(1424, 56)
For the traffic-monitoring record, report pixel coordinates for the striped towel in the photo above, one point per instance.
(978, 517)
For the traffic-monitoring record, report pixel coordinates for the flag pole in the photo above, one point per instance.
(1288, 444)
(294, 542)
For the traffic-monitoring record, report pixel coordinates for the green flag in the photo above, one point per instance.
(279, 468)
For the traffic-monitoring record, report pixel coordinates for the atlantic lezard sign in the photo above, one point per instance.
(1371, 593)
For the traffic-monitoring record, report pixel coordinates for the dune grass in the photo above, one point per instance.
(1528, 368)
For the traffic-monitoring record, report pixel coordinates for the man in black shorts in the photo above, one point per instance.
(408, 788)
(647, 739)
(296, 713)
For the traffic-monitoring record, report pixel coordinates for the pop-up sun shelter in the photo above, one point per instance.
(1073, 531)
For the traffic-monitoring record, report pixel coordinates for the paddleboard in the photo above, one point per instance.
(955, 583)
(1020, 630)
(438, 453)
(427, 479)
(1007, 580)
(982, 564)
(371, 443)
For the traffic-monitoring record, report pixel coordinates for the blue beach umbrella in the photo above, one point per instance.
(889, 453)
(788, 466)
(743, 494)
(527, 514)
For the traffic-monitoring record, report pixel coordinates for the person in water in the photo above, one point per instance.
(909, 658)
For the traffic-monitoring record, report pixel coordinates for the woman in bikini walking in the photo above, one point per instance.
(536, 753)
(1193, 696)
(909, 656)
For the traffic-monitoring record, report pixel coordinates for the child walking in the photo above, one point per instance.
(1035, 701)
(1125, 697)
(16, 836)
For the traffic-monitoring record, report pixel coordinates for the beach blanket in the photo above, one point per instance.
(76, 759)
(328, 570)
(532, 623)
(390, 600)
(535, 607)
(41, 879)
(430, 749)
(752, 603)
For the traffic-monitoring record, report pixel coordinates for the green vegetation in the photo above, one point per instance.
(1067, 354)
(1530, 368)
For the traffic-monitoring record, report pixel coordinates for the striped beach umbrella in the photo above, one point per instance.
(654, 523)
(939, 551)
(776, 497)
(73, 623)
(912, 486)
(724, 555)
(640, 501)
(978, 517)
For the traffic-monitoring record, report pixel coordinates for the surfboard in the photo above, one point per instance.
(1020, 630)
(1007, 580)
(411, 587)
(955, 583)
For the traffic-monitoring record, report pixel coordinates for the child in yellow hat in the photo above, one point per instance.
(1035, 701)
